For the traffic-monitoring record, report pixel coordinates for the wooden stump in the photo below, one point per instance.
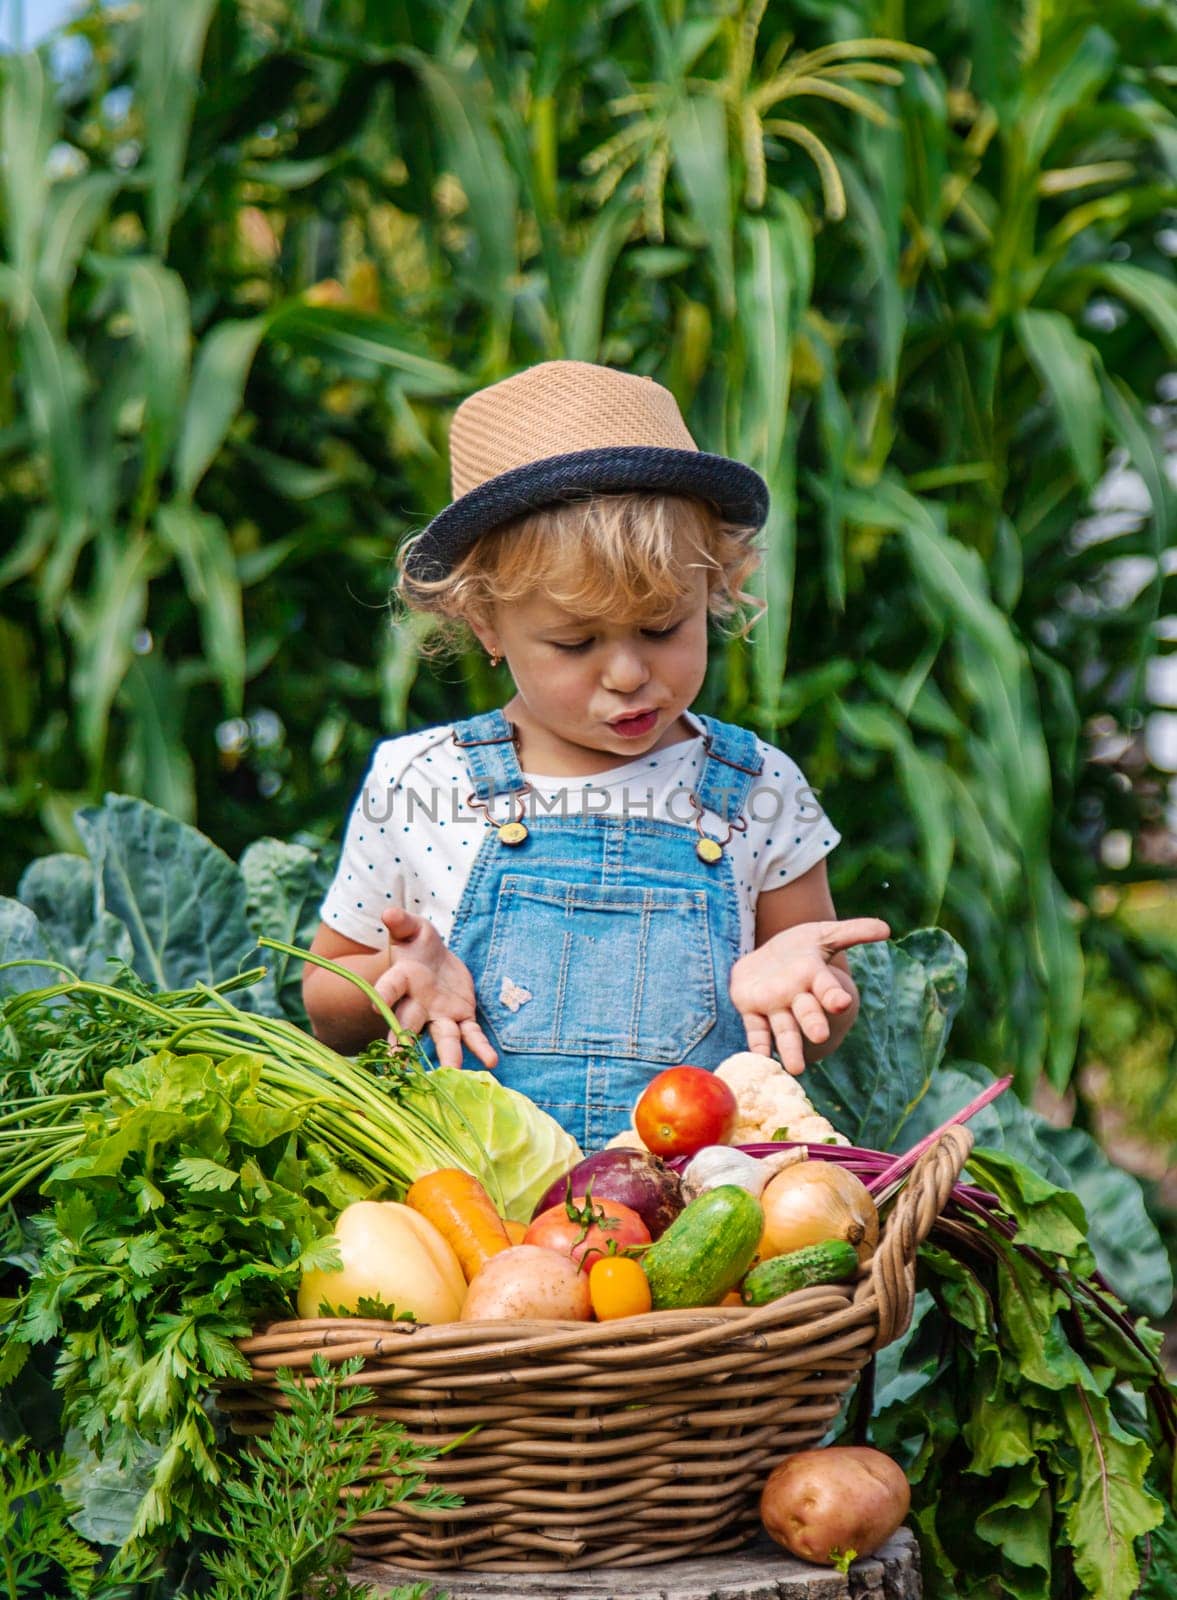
(762, 1572)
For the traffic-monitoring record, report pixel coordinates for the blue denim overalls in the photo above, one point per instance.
(600, 946)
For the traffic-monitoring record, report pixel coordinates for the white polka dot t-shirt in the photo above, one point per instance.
(411, 839)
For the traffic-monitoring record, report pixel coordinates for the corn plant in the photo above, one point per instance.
(911, 264)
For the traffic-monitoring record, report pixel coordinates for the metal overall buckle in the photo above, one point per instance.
(708, 848)
(514, 830)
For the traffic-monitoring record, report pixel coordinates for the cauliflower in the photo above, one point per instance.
(770, 1099)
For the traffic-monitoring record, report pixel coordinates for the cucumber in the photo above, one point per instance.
(706, 1250)
(800, 1269)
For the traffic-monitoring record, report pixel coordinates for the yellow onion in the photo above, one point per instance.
(813, 1202)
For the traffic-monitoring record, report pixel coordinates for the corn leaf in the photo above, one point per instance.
(1066, 365)
(29, 121)
(219, 372)
(200, 543)
(171, 46)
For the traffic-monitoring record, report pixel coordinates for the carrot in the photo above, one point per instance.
(515, 1230)
(463, 1213)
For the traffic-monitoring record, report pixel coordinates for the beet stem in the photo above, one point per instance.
(883, 1185)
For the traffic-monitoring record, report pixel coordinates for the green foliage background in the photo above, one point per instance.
(904, 260)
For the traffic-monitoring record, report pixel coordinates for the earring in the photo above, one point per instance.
(495, 658)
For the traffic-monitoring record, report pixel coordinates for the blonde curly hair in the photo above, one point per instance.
(622, 556)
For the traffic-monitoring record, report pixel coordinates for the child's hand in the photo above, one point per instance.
(427, 985)
(786, 988)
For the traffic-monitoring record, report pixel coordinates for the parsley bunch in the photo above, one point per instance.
(384, 1117)
(185, 1191)
(184, 1218)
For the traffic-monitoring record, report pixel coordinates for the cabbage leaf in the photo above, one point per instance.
(527, 1148)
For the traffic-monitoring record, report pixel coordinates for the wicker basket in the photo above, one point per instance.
(615, 1443)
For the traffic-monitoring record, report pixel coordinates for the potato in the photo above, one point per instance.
(528, 1281)
(831, 1505)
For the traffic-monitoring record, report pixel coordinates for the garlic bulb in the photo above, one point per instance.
(718, 1164)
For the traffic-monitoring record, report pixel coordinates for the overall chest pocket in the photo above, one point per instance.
(581, 969)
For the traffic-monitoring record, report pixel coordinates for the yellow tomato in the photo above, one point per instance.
(618, 1288)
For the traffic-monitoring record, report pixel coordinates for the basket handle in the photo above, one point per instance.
(920, 1202)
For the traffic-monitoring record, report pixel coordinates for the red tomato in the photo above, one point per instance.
(585, 1235)
(683, 1109)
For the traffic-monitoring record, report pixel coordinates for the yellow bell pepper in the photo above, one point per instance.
(392, 1253)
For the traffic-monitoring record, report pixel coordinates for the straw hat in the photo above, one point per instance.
(564, 429)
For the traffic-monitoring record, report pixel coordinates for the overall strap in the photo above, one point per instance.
(487, 743)
(732, 763)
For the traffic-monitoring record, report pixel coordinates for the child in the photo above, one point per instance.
(592, 883)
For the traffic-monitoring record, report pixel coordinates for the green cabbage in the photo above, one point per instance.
(526, 1149)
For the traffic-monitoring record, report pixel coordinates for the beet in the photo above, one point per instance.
(633, 1177)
